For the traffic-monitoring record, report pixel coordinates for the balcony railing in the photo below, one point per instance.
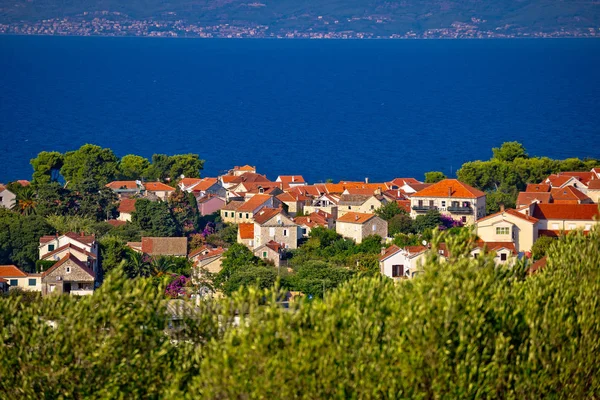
(460, 210)
(424, 208)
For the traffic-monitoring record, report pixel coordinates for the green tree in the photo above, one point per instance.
(188, 165)
(113, 251)
(401, 223)
(25, 202)
(389, 211)
(428, 221)
(89, 161)
(237, 258)
(541, 246)
(509, 151)
(495, 200)
(160, 168)
(434, 176)
(254, 276)
(370, 245)
(132, 167)
(184, 208)
(136, 265)
(154, 218)
(46, 167)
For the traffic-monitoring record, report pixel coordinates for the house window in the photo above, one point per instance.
(372, 207)
(225, 213)
(420, 203)
(443, 203)
(285, 232)
(14, 282)
(431, 203)
(349, 207)
(272, 232)
(502, 230)
(50, 247)
(555, 227)
(247, 216)
(68, 270)
(475, 255)
(264, 254)
(397, 270)
(374, 228)
(240, 215)
(32, 282)
(503, 256)
(304, 231)
(464, 219)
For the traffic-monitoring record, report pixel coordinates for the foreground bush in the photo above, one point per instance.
(463, 329)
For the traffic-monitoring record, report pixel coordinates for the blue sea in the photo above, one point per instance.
(343, 110)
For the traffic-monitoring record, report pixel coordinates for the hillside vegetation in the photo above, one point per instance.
(463, 329)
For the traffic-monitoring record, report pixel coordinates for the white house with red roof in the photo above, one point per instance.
(509, 226)
(7, 198)
(450, 197)
(126, 208)
(401, 263)
(357, 226)
(289, 181)
(16, 278)
(505, 253)
(81, 246)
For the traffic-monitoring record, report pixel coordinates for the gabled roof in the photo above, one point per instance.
(538, 265)
(266, 213)
(403, 181)
(558, 180)
(199, 250)
(538, 187)
(207, 198)
(246, 230)
(254, 202)
(290, 179)
(356, 218)
(158, 187)
(313, 219)
(232, 205)
(354, 199)
(88, 240)
(249, 177)
(512, 212)
(390, 251)
(116, 185)
(526, 198)
(411, 250)
(495, 246)
(116, 222)
(127, 206)
(205, 184)
(164, 246)
(69, 257)
(359, 191)
(218, 252)
(245, 168)
(273, 245)
(585, 212)
(450, 188)
(594, 184)
(187, 182)
(568, 193)
(582, 176)
(23, 182)
(11, 271)
(405, 204)
(68, 246)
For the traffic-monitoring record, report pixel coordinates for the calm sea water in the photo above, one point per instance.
(324, 109)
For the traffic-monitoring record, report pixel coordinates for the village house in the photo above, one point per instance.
(210, 204)
(358, 226)
(293, 203)
(526, 198)
(127, 188)
(327, 203)
(273, 224)
(245, 234)
(312, 220)
(270, 251)
(159, 190)
(556, 218)
(228, 211)
(250, 189)
(161, 246)
(68, 276)
(246, 211)
(202, 187)
(289, 181)
(358, 203)
(505, 253)
(401, 263)
(7, 198)
(232, 182)
(569, 195)
(126, 207)
(509, 226)
(238, 171)
(83, 247)
(15, 278)
(209, 261)
(452, 198)
(594, 190)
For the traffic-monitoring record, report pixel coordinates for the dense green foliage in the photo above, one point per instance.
(463, 329)
(434, 176)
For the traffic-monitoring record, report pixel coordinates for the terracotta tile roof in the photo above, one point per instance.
(197, 251)
(313, 219)
(158, 187)
(390, 251)
(74, 260)
(420, 186)
(164, 246)
(290, 179)
(273, 245)
(213, 253)
(11, 271)
(526, 198)
(230, 178)
(251, 177)
(450, 188)
(246, 230)
(395, 194)
(312, 191)
(70, 247)
(367, 192)
(403, 181)
(115, 185)
(494, 246)
(265, 214)
(583, 176)
(232, 205)
(585, 212)
(405, 204)
(23, 182)
(82, 238)
(538, 187)
(287, 197)
(568, 193)
(413, 250)
(197, 184)
(558, 180)
(245, 168)
(355, 218)
(512, 212)
(254, 202)
(538, 265)
(189, 181)
(116, 222)
(594, 184)
(354, 199)
(127, 206)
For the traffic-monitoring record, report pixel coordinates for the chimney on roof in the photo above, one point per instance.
(449, 191)
(366, 180)
(356, 217)
(382, 250)
(293, 178)
(501, 207)
(378, 191)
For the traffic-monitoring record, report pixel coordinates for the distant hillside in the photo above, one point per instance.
(375, 16)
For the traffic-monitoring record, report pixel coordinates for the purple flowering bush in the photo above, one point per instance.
(448, 222)
(176, 288)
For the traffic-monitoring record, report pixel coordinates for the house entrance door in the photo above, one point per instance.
(67, 287)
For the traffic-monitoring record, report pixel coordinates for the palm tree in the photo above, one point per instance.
(25, 202)
(160, 265)
(136, 265)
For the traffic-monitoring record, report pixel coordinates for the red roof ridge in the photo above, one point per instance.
(66, 258)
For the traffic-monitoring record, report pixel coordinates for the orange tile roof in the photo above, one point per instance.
(286, 197)
(415, 249)
(290, 178)
(157, 187)
(355, 218)
(11, 271)
(265, 214)
(312, 220)
(405, 204)
(526, 198)
(246, 230)
(23, 182)
(402, 181)
(538, 265)
(367, 191)
(197, 251)
(80, 237)
(450, 188)
(254, 202)
(393, 249)
(127, 206)
(205, 184)
(122, 185)
(116, 222)
(538, 187)
(68, 246)
(273, 245)
(566, 211)
(583, 176)
(512, 212)
(213, 253)
(73, 259)
(568, 193)
(245, 168)
(189, 181)
(594, 184)
(558, 180)
(493, 246)
(165, 246)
